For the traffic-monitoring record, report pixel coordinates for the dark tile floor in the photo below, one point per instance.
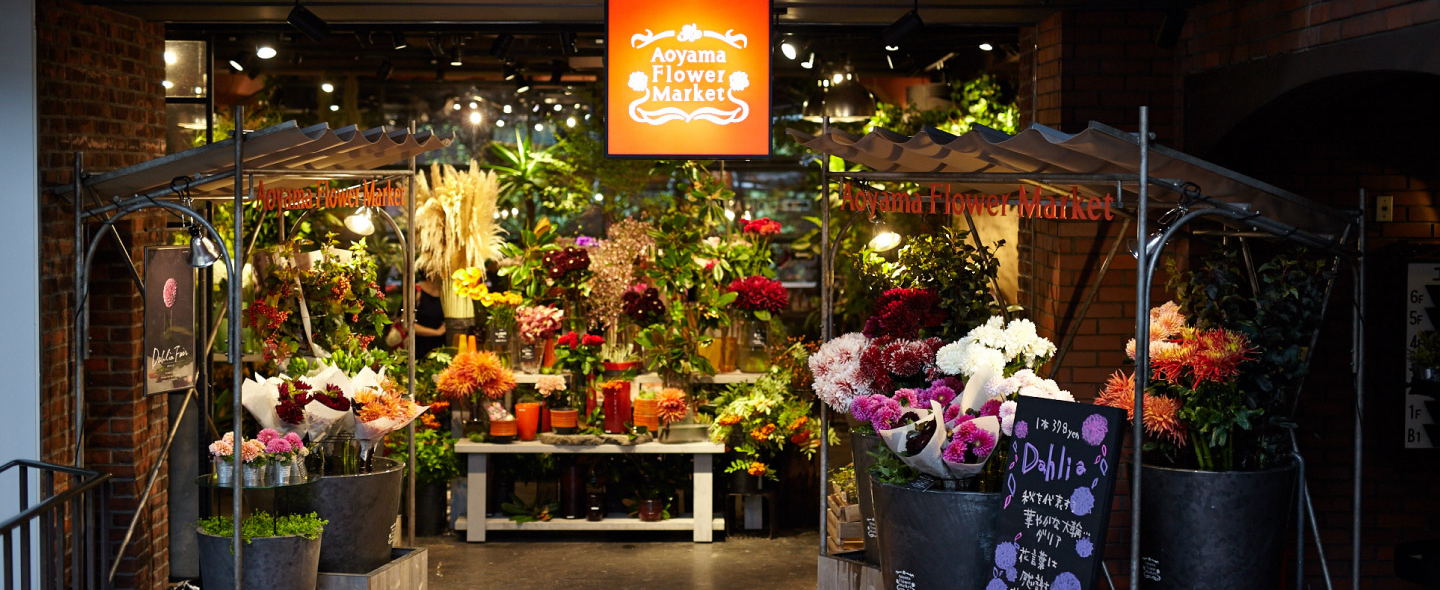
(623, 562)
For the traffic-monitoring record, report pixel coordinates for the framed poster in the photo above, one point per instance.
(687, 79)
(170, 341)
(1422, 305)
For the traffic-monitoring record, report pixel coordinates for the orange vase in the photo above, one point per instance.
(527, 418)
(548, 360)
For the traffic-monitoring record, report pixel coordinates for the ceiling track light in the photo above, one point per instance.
(237, 62)
(907, 25)
(789, 47)
(567, 44)
(522, 85)
(458, 59)
(265, 50)
(397, 40)
(809, 63)
(306, 22)
(510, 72)
(500, 49)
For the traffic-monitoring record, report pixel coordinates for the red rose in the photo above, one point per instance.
(763, 226)
(570, 339)
(591, 340)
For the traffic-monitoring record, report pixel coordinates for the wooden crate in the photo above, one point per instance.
(407, 569)
(835, 572)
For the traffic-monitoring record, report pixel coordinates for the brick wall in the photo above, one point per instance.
(1325, 142)
(99, 73)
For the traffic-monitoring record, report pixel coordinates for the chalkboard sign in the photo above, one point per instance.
(1058, 484)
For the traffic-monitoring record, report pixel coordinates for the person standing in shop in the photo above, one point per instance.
(429, 317)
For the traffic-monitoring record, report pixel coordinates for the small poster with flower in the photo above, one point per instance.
(169, 319)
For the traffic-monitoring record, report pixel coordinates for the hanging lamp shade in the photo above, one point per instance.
(203, 251)
(849, 101)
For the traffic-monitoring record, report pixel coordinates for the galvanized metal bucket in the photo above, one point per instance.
(1217, 530)
(861, 445)
(268, 562)
(360, 510)
(935, 539)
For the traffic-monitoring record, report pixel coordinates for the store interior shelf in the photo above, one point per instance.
(731, 377)
(611, 522)
(534, 447)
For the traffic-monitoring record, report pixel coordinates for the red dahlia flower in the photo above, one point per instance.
(757, 293)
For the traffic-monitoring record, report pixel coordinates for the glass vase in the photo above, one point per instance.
(753, 354)
(529, 356)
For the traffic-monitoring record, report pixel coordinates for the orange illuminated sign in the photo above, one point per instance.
(688, 78)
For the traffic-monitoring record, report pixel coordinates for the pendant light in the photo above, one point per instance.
(203, 251)
(360, 222)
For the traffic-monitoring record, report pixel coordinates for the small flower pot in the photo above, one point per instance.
(224, 471)
(545, 417)
(651, 510)
(646, 413)
(613, 370)
(253, 475)
(565, 421)
(280, 473)
(503, 431)
(527, 419)
(617, 410)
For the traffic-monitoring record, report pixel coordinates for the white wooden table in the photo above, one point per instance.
(703, 523)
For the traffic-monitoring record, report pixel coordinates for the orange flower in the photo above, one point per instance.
(472, 372)
(728, 420)
(429, 421)
(799, 423)
(800, 437)
(1119, 392)
(762, 433)
(1161, 420)
(757, 469)
(671, 405)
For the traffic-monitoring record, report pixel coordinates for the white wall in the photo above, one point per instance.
(19, 249)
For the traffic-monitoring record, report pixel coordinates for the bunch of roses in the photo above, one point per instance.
(757, 293)
(566, 260)
(763, 226)
(642, 304)
(536, 323)
(902, 313)
(575, 340)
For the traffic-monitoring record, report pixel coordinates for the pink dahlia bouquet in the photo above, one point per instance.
(836, 368)
(759, 296)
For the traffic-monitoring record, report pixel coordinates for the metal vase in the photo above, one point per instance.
(935, 539)
(269, 562)
(253, 475)
(861, 445)
(1225, 529)
(360, 510)
(224, 472)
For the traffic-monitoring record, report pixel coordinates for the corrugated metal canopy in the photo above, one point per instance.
(1100, 149)
(285, 146)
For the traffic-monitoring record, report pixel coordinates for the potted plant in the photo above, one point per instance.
(436, 465)
(579, 354)
(564, 418)
(646, 411)
(222, 454)
(451, 203)
(1223, 368)
(503, 429)
(280, 552)
(471, 377)
(757, 421)
(757, 298)
(615, 405)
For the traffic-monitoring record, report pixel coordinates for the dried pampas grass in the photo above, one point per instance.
(455, 224)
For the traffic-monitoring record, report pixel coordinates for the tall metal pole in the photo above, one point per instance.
(1359, 363)
(409, 303)
(826, 333)
(233, 285)
(82, 306)
(1142, 339)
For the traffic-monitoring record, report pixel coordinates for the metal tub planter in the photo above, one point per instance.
(935, 539)
(269, 562)
(1217, 530)
(361, 510)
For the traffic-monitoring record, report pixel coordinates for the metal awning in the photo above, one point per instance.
(285, 149)
(1099, 150)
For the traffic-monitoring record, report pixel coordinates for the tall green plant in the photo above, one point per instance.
(948, 263)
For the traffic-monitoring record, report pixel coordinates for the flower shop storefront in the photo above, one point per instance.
(973, 470)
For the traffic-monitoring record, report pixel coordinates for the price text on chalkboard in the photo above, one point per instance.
(1058, 485)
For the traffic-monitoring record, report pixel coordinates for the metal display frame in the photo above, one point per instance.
(123, 205)
(1194, 205)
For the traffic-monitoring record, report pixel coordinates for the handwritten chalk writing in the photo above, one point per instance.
(904, 580)
(1038, 558)
(1034, 520)
(1048, 537)
(1054, 468)
(1056, 501)
(1030, 581)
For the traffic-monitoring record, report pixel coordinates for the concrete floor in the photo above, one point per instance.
(545, 561)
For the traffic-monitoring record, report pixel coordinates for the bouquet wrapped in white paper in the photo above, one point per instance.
(379, 411)
(940, 450)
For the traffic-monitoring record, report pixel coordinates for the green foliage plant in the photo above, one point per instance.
(261, 524)
(948, 263)
(434, 454)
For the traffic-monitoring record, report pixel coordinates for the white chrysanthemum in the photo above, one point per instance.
(739, 81)
(639, 82)
(981, 357)
(949, 357)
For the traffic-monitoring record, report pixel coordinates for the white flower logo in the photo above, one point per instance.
(689, 32)
(639, 82)
(739, 81)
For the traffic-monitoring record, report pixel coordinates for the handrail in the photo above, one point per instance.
(66, 524)
(60, 498)
(48, 466)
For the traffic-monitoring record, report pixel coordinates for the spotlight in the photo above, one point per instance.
(397, 40)
(599, 197)
(884, 240)
(809, 63)
(510, 71)
(167, 84)
(360, 222)
(787, 48)
(536, 109)
(456, 106)
(539, 127)
(570, 122)
(458, 59)
(901, 29)
(890, 61)
(327, 87)
(203, 251)
(264, 51)
(237, 62)
(506, 109)
(334, 108)
(475, 117)
(500, 49)
(306, 22)
(559, 108)
(385, 69)
(170, 58)
(986, 47)
(515, 211)
(839, 77)
(892, 48)
(500, 123)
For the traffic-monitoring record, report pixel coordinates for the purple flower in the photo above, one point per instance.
(1094, 428)
(969, 444)
(1065, 581)
(954, 452)
(1022, 429)
(1005, 555)
(1082, 501)
(983, 442)
(941, 392)
(886, 412)
(912, 398)
(586, 241)
(1083, 547)
(992, 407)
(951, 413)
(863, 407)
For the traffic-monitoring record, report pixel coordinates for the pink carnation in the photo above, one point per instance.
(222, 448)
(267, 435)
(277, 445)
(251, 450)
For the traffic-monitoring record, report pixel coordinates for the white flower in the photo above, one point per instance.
(689, 32)
(980, 357)
(1007, 417)
(949, 357)
(836, 369)
(639, 82)
(713, 241)
(739, 81)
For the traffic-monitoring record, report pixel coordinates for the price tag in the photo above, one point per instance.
(922, 483)
(527, 354)
(499, 337)
(758, 336)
